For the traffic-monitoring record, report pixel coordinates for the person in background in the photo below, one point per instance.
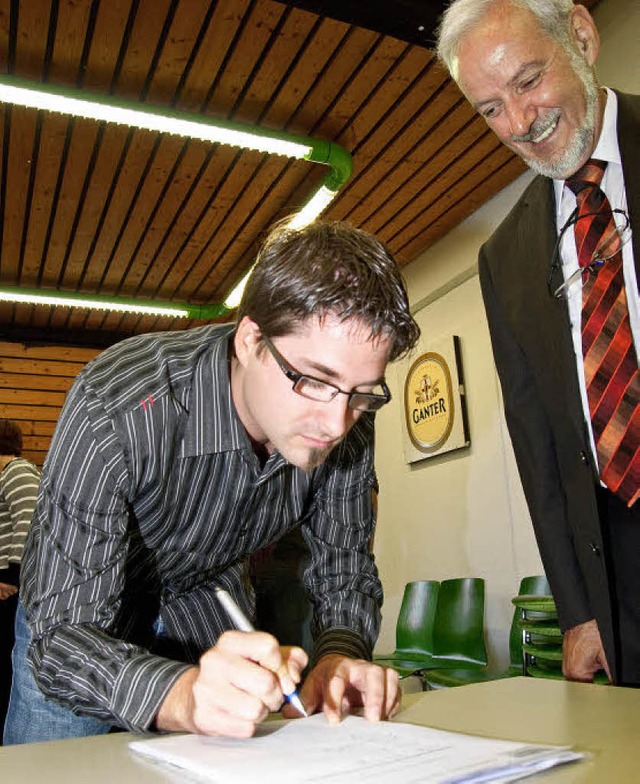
(277, 577)
(19, 480)
(176, 456)
(559, 279)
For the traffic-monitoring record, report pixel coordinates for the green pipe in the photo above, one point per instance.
(336, 157)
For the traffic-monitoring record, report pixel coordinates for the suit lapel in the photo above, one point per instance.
(538, 237)
(628, 136)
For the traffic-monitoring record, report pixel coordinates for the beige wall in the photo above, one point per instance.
(619, 25)
(463, 514)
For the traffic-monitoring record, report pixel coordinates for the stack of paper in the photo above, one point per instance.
(311, 750)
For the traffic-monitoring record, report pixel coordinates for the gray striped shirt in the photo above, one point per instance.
(151, 494)
(18, 490)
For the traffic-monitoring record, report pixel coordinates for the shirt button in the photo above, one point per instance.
(584, 458)
(595, 549)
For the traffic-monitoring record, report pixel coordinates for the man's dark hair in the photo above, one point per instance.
(10, 438)
(328, 268)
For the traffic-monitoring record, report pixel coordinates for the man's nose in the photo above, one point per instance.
(521, 116)
(336, 416)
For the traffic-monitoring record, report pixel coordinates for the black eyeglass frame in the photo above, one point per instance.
(558, 292)
(374, 401)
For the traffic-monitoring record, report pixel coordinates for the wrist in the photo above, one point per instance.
(176, 712)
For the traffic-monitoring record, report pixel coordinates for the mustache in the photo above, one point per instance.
(538, 127)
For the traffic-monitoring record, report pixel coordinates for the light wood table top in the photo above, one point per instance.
(602, 720)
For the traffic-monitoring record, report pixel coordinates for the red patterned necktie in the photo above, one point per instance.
(610, 359)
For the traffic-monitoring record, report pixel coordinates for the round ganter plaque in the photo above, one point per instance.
(428, 402)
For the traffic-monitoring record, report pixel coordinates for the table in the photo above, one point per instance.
(600, 719)
(603, 720)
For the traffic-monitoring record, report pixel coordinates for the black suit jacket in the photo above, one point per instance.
(534, 356)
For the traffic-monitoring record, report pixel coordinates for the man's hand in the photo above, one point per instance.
(7, 590)
(337, 685)
(234, 687)
(583, 653)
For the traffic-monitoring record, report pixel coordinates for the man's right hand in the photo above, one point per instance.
(583, 653)
(233, 688)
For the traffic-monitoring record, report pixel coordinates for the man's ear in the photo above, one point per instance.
(584, 33)
(246, 339)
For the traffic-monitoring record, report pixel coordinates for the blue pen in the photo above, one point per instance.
(242, 623)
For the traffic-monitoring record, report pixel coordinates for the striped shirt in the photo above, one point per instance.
(18, 490)
(151, 495)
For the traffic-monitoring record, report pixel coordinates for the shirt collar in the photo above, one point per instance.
(213, 424)
(607, 148)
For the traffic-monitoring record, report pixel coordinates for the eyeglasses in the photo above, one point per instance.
(610, 244)
(323, 392)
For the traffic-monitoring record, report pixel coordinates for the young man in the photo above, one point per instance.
(176, 456)
(560, 279)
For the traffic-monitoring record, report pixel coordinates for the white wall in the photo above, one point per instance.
(463, 513)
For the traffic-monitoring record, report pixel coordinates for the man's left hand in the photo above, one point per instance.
(338, 685)
(583, 652)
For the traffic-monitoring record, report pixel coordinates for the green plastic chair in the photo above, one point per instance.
(541, 635)
(553, 670)
(536, 611)
(460, 676)
(457, 638)
(458, 630)
(414, 629)
(549, 652)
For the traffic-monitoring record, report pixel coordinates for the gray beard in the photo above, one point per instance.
(571, 158)
(583, 142)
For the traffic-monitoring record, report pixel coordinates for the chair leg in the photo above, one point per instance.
(523, 617)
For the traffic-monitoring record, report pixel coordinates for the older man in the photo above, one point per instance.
(559, 280)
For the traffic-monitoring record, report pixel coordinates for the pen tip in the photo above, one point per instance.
(297, 704)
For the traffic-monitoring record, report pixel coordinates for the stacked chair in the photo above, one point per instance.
(440, 626)
(541, 635)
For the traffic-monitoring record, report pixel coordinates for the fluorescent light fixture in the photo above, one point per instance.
(233, 299)
(311, 210)
(151, 120)
(316, 205)
(70, 301)
(195, 126)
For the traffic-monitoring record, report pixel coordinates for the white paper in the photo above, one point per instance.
(355, 751)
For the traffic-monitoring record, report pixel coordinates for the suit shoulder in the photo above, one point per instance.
(534, 195)
(521, 227)
(630, 104)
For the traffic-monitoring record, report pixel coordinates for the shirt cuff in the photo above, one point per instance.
(342, 640)
(141, 689)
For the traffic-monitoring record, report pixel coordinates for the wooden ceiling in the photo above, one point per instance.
(100, 208)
